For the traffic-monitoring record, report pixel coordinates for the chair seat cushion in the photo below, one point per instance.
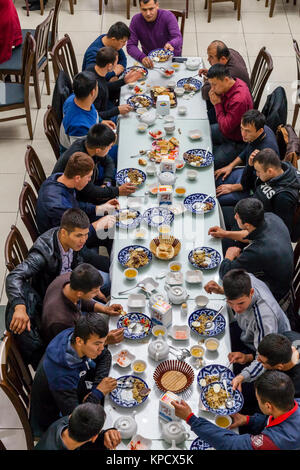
(15, 62)
(11, 93)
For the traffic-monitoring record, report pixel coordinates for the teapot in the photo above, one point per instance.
(126, 425)
(176, 294)
(174, 431)
(166, 177)
(148, 117)
(158, 349)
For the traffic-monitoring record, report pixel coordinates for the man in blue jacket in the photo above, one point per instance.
(277, 428)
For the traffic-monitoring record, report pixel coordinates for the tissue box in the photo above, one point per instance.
(163, 105)
(165, 194)
(166, 410)
(161, 313)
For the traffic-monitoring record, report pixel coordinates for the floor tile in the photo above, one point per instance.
(220, 23)
(281, 66)
(83, 21)
(293, 19)
(12, 152)
(260, 23)
(81, 41)
(189, 45)
(235, 41)
(13, 439)
(281, 45)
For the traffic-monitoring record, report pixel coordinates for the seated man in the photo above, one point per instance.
(57, 251)
(278, 428)
(231, 99)
(71, 294)
(116, 37)
(74, 369)
(82, 429)
(96, 144)
(153, 28)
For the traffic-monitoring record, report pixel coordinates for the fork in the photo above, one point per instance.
(191, 78)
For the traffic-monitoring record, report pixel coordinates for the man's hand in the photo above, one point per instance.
(238, 420)
(107, 385)
(168, 47)
(147, 62)
(224, 189)
(232, 253)
(226, 170)
(124, 108)
(239, 358)
(214, 98)
(20, 320)
(106, 222)
(213, 288)
(237, 382)
(109, 124)
(133, 75)
(182, 409)
(118, 69)
(107, 208)
(250, 161)
(217, 232)
(101, 296)
(113, 310)
(115, 336)
(113, 79)
(112, 438)
(126, 188)
(202, 72)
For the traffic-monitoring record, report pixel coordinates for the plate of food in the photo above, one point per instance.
(140, 101)
(131, 391)
(214, 396)
(162, 90)
(204, 257)
(189, 84)
(136, 325)
(164, 148)
(128, 218)
(157, 134)
(156, 216)
(130, 175)
(214, 373)
(138, 68)
(198, 444)
(199, 318)
(194, 203)
(138, 90)
(165, 247)
(174, 376)
(123, 358)
(134, 256)
(198, 157)
(160, 55)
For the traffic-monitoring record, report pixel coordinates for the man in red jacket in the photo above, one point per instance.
(10, 29)
(231, 99)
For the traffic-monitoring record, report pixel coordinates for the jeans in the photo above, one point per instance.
(224, 150)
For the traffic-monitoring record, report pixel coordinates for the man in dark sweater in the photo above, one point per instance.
(74, 369)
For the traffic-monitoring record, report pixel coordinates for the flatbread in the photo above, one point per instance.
(173, 380)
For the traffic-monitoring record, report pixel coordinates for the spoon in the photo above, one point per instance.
(127, 290)
(202, 208)
(229, 402)
(210, 324)
(190, 78)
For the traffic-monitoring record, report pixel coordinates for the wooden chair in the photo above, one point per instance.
(34, 168)
(27, 207)
(42, 6)
(16, 382)
(182, 15)
(51, 129)
(208, 3)
(272, 6)
(297, 100)
(262, 69)
(16, 95)
(15, 250)
(296, 279)
(2, 446)
(63, 58)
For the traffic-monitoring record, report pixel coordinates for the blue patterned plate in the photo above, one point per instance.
(129, 223)
(214, 370)
(219, 322)
(156, 216)
(212, 261)
(140, 101)
(190, 81)
(122, 176)
(122, 394)
(223, 411)
(198, 444)
(124, 254)
(193, 203)
(139, 331)
(137, 68)
(208, 160)
(162, 54)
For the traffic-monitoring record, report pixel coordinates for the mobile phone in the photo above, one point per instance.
(179, 59)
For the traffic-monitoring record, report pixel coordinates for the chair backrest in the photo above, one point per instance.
(28, 52)
(51, 129)
(15, 250)
(297, 52)
(262, 69)
(16, 382)
(34, 168)
(182, 15)
(296, 279)
(63, 58)
(41, 37)
(27, 207)
(54, 29)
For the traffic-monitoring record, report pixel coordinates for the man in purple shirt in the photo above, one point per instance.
(154, 28)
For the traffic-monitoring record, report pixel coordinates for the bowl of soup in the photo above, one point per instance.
(223, 421)
(130, 273)
(139, 366)
(180, 191)
(212, 344)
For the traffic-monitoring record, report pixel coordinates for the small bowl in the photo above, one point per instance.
(177, 208)
(123, 360)
(182, 110)
(141, 111)
(159, 330)
(169, 118)
(140, 234)
(150, 169)
(136, 302)
(179, 91)
(180, 332)
(134, 202)
(164, 229)
(153, 189)
(139, 366)
(192, 175)
(201, 300)
(180, 164)
(211, 344)
(169, 127)
(175, 66)
(197, 351)
(174, 266)
(142, 128)
(153, 134)
(139, 442)
(195, 134)
(194, 277)
(222, 420)
(172, 84)
(131, 85)
(130, 273)
(180, 191)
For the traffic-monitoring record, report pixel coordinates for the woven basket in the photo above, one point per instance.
(174, 376)
(174, 242)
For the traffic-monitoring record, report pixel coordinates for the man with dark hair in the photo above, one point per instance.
(116, 37)
(82, 429)
(278, 428)
(153, 28)
(74, 369)
(231, 99)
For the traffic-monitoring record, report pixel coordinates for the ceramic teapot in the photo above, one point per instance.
(158, 349)
(148, 117)
(166, 177)
(176, 294)
(126, 425)
(174, 431)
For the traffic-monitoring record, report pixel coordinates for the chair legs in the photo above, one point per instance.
(187, 8)
(237, 6)
(37, 90)
(272, 8)
(295, 116)
(47, 78)
(42, 6)
(128, 9)
(71, 7)
(100, 7)
(28, 121)
(27, 7)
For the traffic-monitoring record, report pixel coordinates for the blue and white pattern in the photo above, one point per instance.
(158, 52)
(156, 216)
(124, 254)
(219, 322)
(139, 333)
(198, 444)
(136, 68)
(193, 203)
(235, 394)
(191, 81)
(129, 223)
(208, 160)
(122, 395)
(135, 101)
(214, 259)
(215, 369)
(122, 176)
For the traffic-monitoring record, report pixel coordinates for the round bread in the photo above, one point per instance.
(173, 380)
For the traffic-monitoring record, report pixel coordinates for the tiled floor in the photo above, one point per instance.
(254, 30)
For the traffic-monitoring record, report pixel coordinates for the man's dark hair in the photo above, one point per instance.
(222, 49)
(83, 84)
(86, 421)
(276, 388)
(118, 30)
(85, 278)
(100, 136)
(236, 284)
(146, 1)
(255, 118)
(79, 164)
(250, 210)
(106, 55)
(267, 158)
(276, 348)
(218, 71)
(87, 325)
(74, 218)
